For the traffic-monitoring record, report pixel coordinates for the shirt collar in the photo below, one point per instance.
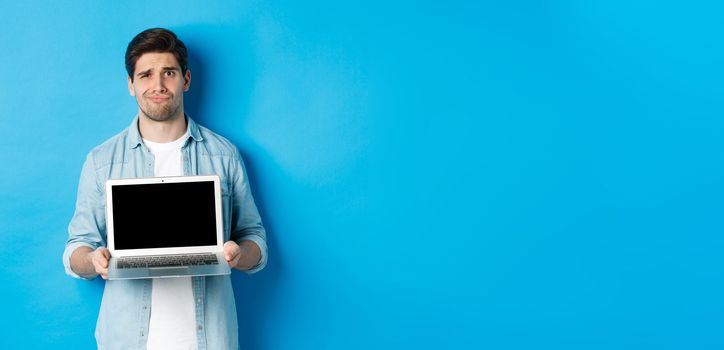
(134, 136)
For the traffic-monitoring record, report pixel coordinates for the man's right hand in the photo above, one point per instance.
(89, 263)
(99, 258)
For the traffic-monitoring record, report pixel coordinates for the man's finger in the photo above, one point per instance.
(102, 261)
(99, 259)
(233, 262)
(231, 250)
(230, 255)
(102, 256)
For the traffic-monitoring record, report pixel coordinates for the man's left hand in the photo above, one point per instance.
(242, 256)
(232, 253)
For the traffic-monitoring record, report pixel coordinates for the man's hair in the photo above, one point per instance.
(155, 40)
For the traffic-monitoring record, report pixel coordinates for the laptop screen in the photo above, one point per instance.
(164, 215)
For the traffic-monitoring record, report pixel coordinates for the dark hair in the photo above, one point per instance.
(155, 40)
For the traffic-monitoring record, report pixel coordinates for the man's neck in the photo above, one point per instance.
(162, 132)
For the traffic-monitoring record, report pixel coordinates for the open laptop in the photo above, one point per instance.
(165, 227)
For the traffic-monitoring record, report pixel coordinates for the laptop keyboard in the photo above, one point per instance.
(167, 260)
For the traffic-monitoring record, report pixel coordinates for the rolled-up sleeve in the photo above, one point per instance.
(246, 223)
(88, 225)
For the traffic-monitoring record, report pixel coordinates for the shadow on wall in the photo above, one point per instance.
(194, 98)
(254, 294)
(257, 294)
(221, 60)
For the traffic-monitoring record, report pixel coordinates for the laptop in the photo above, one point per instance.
(165, 227)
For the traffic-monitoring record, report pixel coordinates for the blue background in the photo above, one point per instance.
(491, 175)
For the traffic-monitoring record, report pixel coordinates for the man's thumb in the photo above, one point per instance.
(104, 252)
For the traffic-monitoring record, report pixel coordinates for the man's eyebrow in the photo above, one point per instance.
(171, 68)
(143, 72)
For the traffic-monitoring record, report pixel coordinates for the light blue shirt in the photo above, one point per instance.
(126, 306)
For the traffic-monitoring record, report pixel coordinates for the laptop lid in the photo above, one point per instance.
(164, 215)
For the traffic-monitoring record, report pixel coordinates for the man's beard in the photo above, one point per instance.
(159, 113)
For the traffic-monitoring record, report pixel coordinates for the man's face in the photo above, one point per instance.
(159, 86)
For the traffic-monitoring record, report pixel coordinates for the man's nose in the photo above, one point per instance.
(158, 84)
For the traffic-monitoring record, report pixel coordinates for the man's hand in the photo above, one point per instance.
(90, 263)
(242, 257)
(232, 253)
(99, 258)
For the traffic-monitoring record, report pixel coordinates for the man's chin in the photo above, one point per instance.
(158, 116)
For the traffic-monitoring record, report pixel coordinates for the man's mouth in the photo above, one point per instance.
(159, 98)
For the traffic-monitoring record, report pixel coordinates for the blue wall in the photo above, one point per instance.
(500, 175)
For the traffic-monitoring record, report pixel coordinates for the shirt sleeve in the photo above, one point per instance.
(245, 220)
(88, 226)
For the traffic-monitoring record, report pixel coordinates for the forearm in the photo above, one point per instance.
(250, 255)
(80, 262)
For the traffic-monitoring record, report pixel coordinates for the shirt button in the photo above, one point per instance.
(198, 300)
(200, 327)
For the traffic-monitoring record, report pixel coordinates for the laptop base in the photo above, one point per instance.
(115, 273)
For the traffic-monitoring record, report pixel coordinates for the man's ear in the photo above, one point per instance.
(187, 80)
(130, 87)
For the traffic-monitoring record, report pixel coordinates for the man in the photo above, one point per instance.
(170, 313)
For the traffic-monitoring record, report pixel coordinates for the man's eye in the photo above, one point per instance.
(170, 73)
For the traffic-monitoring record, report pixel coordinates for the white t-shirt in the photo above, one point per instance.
(173, 319)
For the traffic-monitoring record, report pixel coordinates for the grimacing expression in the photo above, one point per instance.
(158, 86)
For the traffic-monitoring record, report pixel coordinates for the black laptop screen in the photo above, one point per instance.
(164, 215)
